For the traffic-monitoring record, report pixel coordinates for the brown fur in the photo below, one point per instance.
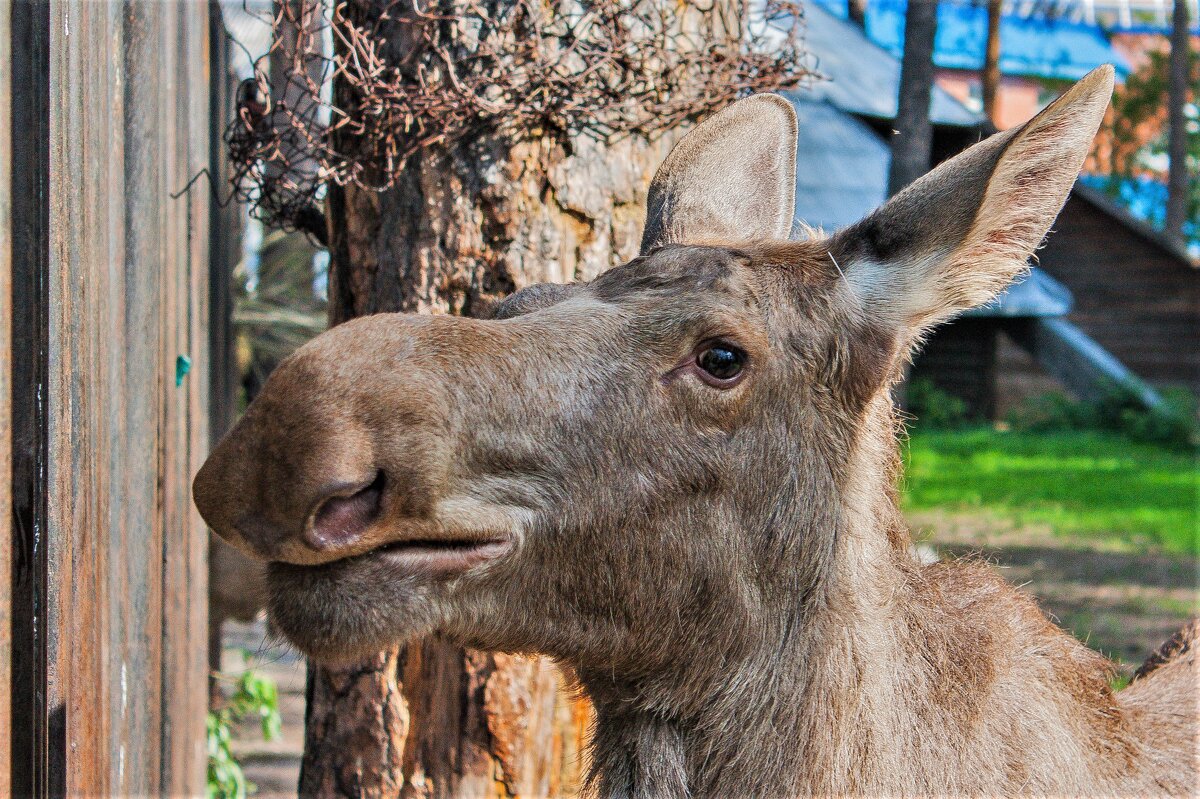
(725, 569)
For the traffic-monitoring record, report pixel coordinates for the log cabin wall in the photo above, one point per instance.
(1139, 298)
(960, 359)
(109, 288)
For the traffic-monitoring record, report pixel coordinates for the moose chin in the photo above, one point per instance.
(678, 479)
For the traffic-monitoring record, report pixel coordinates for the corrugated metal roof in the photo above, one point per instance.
(841, 167)
(862, 77)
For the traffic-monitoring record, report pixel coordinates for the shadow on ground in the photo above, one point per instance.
(1124, 604)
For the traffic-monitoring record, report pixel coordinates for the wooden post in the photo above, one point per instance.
(991, 60)
(6, 532)
(109, 292)
(1177, 89)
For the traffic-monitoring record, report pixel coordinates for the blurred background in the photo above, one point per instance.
(288, 164)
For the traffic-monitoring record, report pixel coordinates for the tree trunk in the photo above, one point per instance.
(913, 140)
(991, 61)
(460, 230)
(856, 12)
(1177, 177)
(462, 227)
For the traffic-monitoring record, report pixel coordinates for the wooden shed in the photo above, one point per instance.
(960, 357)
(1133, 309)
(1113, 302)
(104, 395)
(1137, 293)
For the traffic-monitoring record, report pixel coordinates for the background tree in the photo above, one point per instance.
(856, 10)
(1177, 145)
(472, 149)
(1137, 134)
(912, 141)
(991, 77)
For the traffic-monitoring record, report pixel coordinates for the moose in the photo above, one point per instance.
(678, 480)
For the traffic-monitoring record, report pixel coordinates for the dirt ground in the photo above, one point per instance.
(273, 766)
(1122, 603)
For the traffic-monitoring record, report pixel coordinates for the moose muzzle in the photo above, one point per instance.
(341, 450)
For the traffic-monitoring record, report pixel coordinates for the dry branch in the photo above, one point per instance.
(411, 75)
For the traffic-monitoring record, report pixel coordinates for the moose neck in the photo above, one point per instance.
(792, 715)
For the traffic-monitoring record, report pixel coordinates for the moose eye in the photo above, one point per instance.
(721, 362)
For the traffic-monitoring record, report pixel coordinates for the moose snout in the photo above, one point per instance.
(315, 504)
(345, 513)
(336, 455)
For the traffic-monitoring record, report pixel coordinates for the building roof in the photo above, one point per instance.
(1087, 188)
(1035, 295)
(841, 167)
(1040, 45)
(860, 76)
(841, 176)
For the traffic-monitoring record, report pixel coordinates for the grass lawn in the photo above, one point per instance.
(1126, 495)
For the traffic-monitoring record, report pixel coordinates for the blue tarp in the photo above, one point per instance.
(1038, 45)
(861, 77)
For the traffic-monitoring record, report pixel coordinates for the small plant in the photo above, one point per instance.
(1119, 411)
(934, 408)
(255, 695)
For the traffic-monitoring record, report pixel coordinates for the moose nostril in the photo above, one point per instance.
(342, 519)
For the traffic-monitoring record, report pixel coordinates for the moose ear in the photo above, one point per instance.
(732, 178)
(956, 237)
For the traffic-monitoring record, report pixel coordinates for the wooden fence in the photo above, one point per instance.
(104, 301)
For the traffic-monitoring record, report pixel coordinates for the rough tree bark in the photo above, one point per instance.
(991, 60)
(913, 139)
(1177, 177)
(464, 226)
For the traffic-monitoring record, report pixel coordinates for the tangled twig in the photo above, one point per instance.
(350, 91)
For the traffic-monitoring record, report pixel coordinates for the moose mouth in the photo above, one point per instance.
(348, 516)
(437, 557)
(344, 609)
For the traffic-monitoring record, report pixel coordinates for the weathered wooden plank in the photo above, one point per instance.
(225, 236)
(6, 539)
(185, 571)
(31, 168)
(189, 774)
(108, 620)
(85, 234)
(138, 603)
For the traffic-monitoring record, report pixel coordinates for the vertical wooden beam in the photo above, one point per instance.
(85, 233)
(29, 768)
(225, 232)
(6, 542)
(184, 633)
(107, 665)
(136, 552)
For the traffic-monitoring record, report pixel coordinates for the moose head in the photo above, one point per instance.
(682, 459)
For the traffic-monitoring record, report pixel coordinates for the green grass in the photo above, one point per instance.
(1080, 483)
